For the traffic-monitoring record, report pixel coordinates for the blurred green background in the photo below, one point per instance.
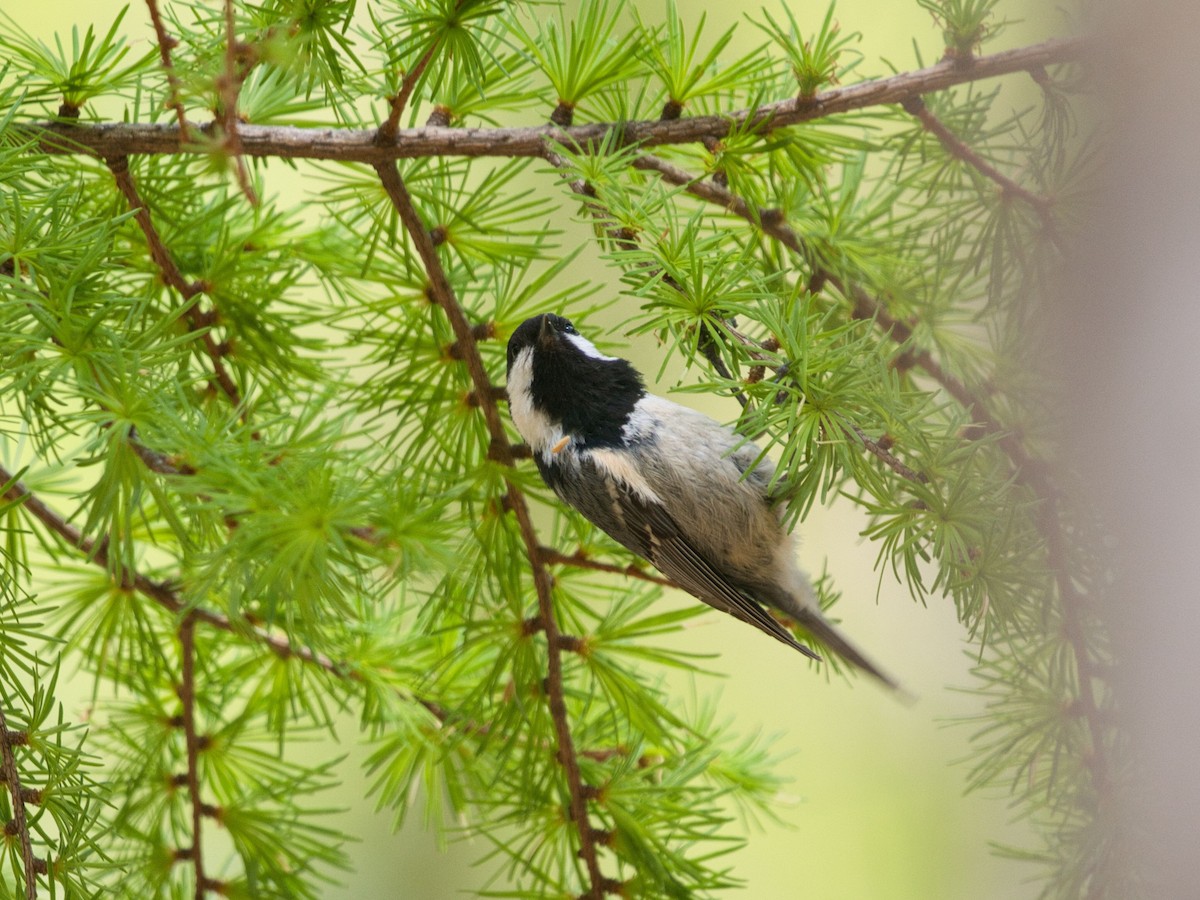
(876, 807)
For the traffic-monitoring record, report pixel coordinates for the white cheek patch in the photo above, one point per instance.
(620, 468)
(586, 347)
(534, 425)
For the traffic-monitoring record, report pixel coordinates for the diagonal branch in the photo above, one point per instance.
(288, 142)
(580, 560)
(1027, 471)
(167, 596)
(443, 294)
(961, 150)
(197, 321)
(387, 131)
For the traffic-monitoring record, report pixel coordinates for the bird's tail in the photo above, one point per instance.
(819, 627)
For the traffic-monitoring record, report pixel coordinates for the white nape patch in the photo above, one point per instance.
(619, 467)
(587, 347)
(647, 416)
(534, 425)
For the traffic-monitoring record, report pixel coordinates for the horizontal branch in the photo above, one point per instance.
(581, 560)
(118, 138)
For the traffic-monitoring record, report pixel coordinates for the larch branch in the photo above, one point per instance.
(20, 822)
(187, 699)
(229, 86)
(1027, 470)
(172, 277)
(289, 142)
(961, 150)
(166, 43)
(580, 560)
(443, 294)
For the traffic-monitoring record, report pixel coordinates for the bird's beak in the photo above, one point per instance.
(546, 333)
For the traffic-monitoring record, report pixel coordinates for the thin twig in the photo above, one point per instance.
(187, 697)
(172, 277)
(20, 823)
(289, 142)
(443, 294)
(387, 131)
(961, 150)
(166, 596)
(580, 560)
(229, 86)
(166, 43)
(881, 452)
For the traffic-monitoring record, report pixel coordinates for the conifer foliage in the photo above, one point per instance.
(257, 468)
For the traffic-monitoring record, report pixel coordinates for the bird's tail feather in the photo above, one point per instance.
(815, 624)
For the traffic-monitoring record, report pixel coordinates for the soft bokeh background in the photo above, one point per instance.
(877, 806)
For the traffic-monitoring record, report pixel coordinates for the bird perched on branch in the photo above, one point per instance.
(672, 485)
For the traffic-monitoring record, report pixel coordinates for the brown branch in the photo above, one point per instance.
(19, 824)
(961, 150)
(229, 86)
(1027, 471)
(168, 598)
(386, 135)
(580, 560)
(166, 43)
(187, 697)
(172, 277)
(117, 139)
(881, 452)
(443, 295)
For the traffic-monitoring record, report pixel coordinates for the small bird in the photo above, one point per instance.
(670, 484)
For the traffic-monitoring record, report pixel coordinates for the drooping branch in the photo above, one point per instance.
(1027, 470)
(288, 142)
(961, 150)
(443, 295)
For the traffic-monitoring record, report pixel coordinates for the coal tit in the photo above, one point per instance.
(670, 484)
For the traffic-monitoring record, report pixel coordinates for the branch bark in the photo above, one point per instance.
(961, 150)
(287, 142)
(187, 698)
(20, 823)
(1026, 470)
(172, 277)
(443, 294)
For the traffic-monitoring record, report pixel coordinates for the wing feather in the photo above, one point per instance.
(645, 526)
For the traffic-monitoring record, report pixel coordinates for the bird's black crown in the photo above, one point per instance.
(591, 397)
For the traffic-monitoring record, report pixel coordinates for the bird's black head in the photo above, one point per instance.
(562, 377)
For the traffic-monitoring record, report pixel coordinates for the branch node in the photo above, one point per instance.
(572, 644)
(563, 114)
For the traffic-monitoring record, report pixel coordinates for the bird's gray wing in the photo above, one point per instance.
(648, 529)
